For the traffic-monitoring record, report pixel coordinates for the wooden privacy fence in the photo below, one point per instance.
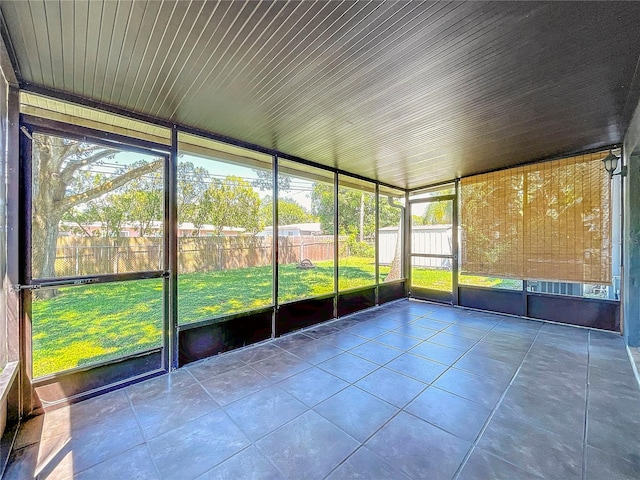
(94, 255)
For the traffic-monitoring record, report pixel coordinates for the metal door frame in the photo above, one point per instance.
(453, 198)
(31, 125)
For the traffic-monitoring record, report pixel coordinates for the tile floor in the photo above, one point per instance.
(408, 390)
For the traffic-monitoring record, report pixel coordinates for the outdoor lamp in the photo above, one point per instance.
(611, 164)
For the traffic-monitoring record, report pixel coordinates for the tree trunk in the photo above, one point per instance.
(395, 273)
(44, 237)
(362, 217)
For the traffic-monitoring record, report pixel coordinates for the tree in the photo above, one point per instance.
(438, 213)
(191, 188)
(264, 181)
(289, 212)
(63, 180)
(231, 202)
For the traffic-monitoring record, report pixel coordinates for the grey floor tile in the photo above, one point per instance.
(249, 464)
(532, 448)
(420, 308)
(30, 432)
(235, 384)
(536, 431)
(556, 371)
(507, 341)
(453, 341)
(214, 366)
(316, 352)
(400, 315)
(465, 331)
(68, 418)
(448, 314)
(481, 465)
(479, 321)
(260, 352)
(456, 415)
(487, 367)
(89, 444)
(363, 464)
(416, 367)
(293, 340)
(398, 340)
(418, 449)
(172, 410)
(613, 382)
(501, 353)
(416, 331)
(519, 327)
(321, 330)
(430, 323)
(22, 463)
(264, 411)
(159, 386)
(312, 386)
(385, 323)
(356, 412)
(308, 447)
(366, 330)
(565, 331)
(483, 390)
(281, 366)
(601, 465)
(376, 352)
(197, 446)
(343, 340)
(349, 367)
(559, 410)
(619, 436)
(439, 353)
(393, 387)
(134, 464)
(559, 354)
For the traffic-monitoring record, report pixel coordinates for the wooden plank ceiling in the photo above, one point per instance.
(409, 93)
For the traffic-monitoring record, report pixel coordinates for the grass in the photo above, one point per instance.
(87, 324)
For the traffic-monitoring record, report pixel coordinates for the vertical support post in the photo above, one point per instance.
(336, 245)
(455, 244)
(406, 237)
(377, 241)
(18, 256)
(631, 269)
(275, 252)
(171, 333)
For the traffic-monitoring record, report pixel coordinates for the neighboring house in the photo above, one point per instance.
(293, 230)
(131, 229)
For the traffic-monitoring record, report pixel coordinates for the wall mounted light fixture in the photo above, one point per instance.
(611, 164)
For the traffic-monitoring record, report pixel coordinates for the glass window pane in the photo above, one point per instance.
(82, 325)
(356, 229)
(391, 206)
(431, 231)
(96, 210)
(305, 232)
(224, 245)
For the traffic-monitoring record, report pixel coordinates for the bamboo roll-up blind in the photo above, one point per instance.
(544, 221)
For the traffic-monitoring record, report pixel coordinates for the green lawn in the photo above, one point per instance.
(90, 323)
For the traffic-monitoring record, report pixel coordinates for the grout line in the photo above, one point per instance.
(634, 358)
(586, 412)
(493, 412)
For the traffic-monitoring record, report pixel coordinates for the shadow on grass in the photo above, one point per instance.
(91, 323)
